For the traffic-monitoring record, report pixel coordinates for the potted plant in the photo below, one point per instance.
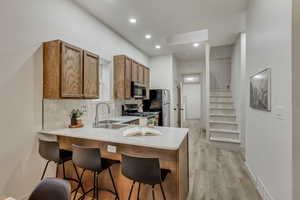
(75, 117)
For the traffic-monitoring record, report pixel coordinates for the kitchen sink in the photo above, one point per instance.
(110, 126)
(108, 122)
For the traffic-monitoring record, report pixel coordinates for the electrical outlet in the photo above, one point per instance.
(84, 108)
(111, 149)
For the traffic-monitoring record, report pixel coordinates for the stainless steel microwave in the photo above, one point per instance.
(138, 90)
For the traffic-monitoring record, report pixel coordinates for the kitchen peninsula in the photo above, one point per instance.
(171, 147)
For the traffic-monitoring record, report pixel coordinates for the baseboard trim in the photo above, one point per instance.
(261, 188)
(24, 197)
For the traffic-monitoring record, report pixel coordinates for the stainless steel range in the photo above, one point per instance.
(133, 110)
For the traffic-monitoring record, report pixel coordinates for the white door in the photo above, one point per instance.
(192, 98)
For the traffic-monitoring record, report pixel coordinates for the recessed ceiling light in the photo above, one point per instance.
(132, 20)
(148, 36)
(157, 46)
(196, 44)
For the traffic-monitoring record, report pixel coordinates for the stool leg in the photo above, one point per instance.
(78, 184)
(44, 171)
(131, 190)
(153, 195)
(162, 191)
(94, 190)
(113, 182)
(78, 178)
(97, 182)
(57, 168)
(138, 195)
(64, 170)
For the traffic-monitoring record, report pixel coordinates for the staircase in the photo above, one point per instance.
(223, 126)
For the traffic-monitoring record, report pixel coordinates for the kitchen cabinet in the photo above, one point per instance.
(128, 74)
(140, 74)
(126, 71)
(122, 77)
(147, 81)
(135, 71)
(69, 71)
(90, 75)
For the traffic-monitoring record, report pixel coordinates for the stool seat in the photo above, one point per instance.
(90, 159)
(64, 155)
(52, 153)
(164, 173)
(144, 170)
(107, 163)
(50, 189)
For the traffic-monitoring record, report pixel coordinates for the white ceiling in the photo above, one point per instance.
(224, 19)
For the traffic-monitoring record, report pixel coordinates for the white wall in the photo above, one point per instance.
(175, 92)
(296, 100)
(220, 67)
(192, 67)
(24, 26)
(269, 139)
(238, 82)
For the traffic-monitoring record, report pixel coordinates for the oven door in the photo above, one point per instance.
(138, 91)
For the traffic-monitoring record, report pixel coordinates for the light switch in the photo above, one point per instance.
(279, 112)
(111, 149)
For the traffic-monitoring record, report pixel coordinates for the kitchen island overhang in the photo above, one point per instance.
(171, 148)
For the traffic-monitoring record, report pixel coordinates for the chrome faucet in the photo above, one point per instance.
(97, 110)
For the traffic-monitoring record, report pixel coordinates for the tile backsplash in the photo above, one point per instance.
(56, 112)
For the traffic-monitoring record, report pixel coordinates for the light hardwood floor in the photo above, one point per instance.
(216, 173)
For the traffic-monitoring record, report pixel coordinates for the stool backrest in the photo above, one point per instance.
(49, 150)
(144, 170)
(50, 189)
(87, 158)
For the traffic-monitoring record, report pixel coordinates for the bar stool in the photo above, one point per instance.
(90, 159)
(51, 152)
(51, 188)
(144, 170)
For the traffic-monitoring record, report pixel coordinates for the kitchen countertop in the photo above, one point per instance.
(170, 139)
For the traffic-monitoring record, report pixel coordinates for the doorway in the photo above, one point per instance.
(191, 95)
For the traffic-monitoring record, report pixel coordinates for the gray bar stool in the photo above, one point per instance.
(50, 189)
(90, 159)
(144, 170)
(51, 152)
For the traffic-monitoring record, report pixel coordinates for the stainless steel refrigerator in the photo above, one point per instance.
(159, 102)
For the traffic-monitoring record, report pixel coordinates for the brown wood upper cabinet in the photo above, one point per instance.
(69, 72)
(147, 81)
(122, 77)
(126, 71)
(134, 71)
(141, 74)
(91, 75)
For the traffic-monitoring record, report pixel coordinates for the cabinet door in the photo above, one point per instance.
(71, 71)
(119, 77)
(91, 76)
(147, 81)
(140, 73)
(128, 64)
(134, 71)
